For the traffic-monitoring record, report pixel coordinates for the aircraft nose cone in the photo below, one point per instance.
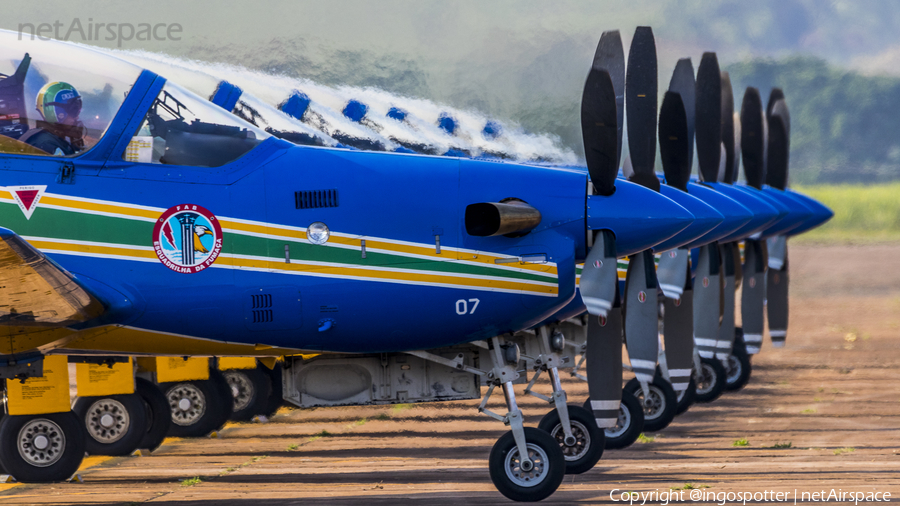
(798, 213)
(820, 213)
(764, 214)
(639, 217)
(735, 215)
(706, 218)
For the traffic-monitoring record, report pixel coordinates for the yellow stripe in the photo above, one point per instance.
(269, 229)
(411, 276)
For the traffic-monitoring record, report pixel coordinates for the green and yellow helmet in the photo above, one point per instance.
(58, 101)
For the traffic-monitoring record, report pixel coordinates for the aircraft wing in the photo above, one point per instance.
(36, 292)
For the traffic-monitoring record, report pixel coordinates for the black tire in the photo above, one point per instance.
(202, 413)
(589, 439)
(113, 424)
(686, 398)
(628, 427)
(66, 454)
(223, 397)
(159, 415)
(527, 487)
(250, 389)
(737, 372)
(710, 380)
(660, 414)
(276, 397)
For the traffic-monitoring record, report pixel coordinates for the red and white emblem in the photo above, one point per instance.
(598, 263)
(775, 278)
(27, 197)
(752, 282)
(642, 296)
(672, 254)
(705, 282)
(187, 238)
(677, 302)
(602, 320)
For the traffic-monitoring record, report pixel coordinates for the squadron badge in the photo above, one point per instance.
(187, 238)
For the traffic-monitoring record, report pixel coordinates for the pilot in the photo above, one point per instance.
(61, 132)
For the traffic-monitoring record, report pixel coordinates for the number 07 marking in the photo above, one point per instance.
(462, 307)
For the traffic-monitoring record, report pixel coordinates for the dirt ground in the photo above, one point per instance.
(821, 415)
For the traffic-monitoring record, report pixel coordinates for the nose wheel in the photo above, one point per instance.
(585, 446)
(710, 379)
(533, 478)
(659, 407)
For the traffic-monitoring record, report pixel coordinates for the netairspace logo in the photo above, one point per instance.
(90, 31)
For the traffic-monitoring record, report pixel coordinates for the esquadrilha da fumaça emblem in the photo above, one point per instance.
(187, 238)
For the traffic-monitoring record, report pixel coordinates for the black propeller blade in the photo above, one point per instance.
(708, 124)
(779, 146)
(598, 129)
(683, 83)
(674, 141)
(610, 56)
(640, 99)
(728, 128)
(752, 137)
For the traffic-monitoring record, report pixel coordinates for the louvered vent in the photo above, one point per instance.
(312, 199)
(260, 303)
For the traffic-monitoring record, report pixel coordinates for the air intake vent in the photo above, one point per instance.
(312, 199)
(262, 300)
(262, 316)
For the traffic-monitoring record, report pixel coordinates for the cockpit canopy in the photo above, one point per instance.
(179, 128)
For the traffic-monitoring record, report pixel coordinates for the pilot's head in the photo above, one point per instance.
(59, 103)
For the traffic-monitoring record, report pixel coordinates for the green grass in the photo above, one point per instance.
(782, 446)
(741, 442)
(809, 411)
(689, 486)
(190, 482)
(841, 451)
(642, 438)
(862, 213)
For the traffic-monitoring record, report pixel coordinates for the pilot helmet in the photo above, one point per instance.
(58, 101)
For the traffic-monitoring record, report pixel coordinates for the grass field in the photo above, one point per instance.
(862, 214)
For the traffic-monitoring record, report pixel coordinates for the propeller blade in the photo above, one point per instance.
(707, 297)
(610, 56)
(640, 307)
(683, 83)
(752, 138)
(753, 295)
(774, 96)
(736, 120)
(708, 113)
(599, 278)
(604, 365)
(598, 129)
(726, 327)
(674, 147)
(678, 330)
(728, 127)
(777, 290)
(640, 101)
(779, 147)
(670, 272)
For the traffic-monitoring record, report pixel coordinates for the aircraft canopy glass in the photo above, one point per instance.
(61, 98)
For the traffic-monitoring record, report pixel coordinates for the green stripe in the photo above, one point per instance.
(69, 225)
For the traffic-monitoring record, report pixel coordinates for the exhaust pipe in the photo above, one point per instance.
(509, 217)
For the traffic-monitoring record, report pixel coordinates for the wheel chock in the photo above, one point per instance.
(76, 478)
(7, 478)
(213, 435)
(260, 419)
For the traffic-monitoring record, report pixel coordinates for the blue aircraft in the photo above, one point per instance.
(140, 219)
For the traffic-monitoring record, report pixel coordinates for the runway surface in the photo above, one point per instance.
(821, 414)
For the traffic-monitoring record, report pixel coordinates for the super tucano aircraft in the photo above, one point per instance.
(140, 219)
